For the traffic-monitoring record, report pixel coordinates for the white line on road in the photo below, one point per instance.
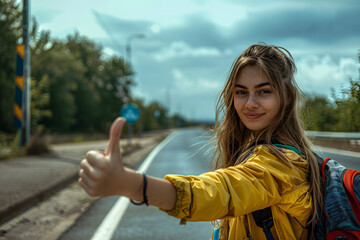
(108, 226)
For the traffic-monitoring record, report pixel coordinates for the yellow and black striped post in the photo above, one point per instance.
(19, 82)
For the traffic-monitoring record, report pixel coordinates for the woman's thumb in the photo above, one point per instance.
(115, 133)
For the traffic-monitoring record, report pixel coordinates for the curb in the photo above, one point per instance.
(29, 202)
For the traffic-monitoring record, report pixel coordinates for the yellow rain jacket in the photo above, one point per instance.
(233, 193)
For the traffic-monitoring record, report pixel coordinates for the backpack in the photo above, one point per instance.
(340, 218)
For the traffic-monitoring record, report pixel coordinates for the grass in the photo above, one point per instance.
(12, 152)
(78, 140)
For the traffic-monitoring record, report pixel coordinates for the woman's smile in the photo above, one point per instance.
(252, 115)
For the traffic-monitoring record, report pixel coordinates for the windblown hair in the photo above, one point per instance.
(234, 141)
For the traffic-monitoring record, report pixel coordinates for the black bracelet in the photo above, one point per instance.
(144, 194)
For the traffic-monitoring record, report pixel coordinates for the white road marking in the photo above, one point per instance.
(108, 226)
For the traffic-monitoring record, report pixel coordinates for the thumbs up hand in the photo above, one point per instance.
(103, 174)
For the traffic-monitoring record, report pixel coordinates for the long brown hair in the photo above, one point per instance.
(233, 141)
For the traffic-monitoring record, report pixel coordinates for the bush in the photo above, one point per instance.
(37, 145)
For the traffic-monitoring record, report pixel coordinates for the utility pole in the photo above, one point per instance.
(26, 96)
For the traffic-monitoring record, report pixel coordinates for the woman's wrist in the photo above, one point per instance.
(144, 193)
(131, 185)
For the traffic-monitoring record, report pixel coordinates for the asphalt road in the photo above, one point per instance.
(182, 155)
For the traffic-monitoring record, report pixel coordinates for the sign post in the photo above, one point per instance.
(22, 80)
(132, 114)
(19, 85)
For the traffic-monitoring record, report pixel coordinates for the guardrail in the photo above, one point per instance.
(340, 140)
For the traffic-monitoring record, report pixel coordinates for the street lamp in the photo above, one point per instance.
(128, 49)
(128, 61)
(128, 45)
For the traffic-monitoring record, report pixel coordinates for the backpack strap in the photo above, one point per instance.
(348, 180)
(263, 219)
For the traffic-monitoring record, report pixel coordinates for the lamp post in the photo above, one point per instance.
(128, 45)
(128, 61)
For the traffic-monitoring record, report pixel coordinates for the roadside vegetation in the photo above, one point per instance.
(338, 113)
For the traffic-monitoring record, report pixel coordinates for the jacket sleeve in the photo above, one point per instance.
(232, 191)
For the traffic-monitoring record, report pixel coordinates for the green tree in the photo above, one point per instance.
(348, 106)
(85, 88)
(343, 114)
(52, 59)
(179, 121)
(155, 116)
(113, 86)
(40, 103)
(319, 114)
(10, 29)
(348, 109)
(86, 95)
(106, 82)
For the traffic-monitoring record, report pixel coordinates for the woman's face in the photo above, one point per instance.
(256, 102)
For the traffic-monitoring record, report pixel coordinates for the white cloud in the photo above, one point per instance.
(209, 85)
(190, 86)
(319, 74)
(181, 49)
(195, 98)
(108, 51)
(155, 28)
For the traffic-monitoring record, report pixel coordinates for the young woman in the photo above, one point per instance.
(263, 158)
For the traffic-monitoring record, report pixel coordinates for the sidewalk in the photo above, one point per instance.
(29, 180)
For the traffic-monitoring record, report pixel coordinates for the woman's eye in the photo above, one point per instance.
(240, 92)
(265, 91)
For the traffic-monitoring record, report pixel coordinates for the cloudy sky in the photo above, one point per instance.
(189, 45)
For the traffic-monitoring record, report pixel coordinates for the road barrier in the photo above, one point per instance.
(339, 140)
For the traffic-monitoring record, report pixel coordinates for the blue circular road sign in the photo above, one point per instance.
(130, 112)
